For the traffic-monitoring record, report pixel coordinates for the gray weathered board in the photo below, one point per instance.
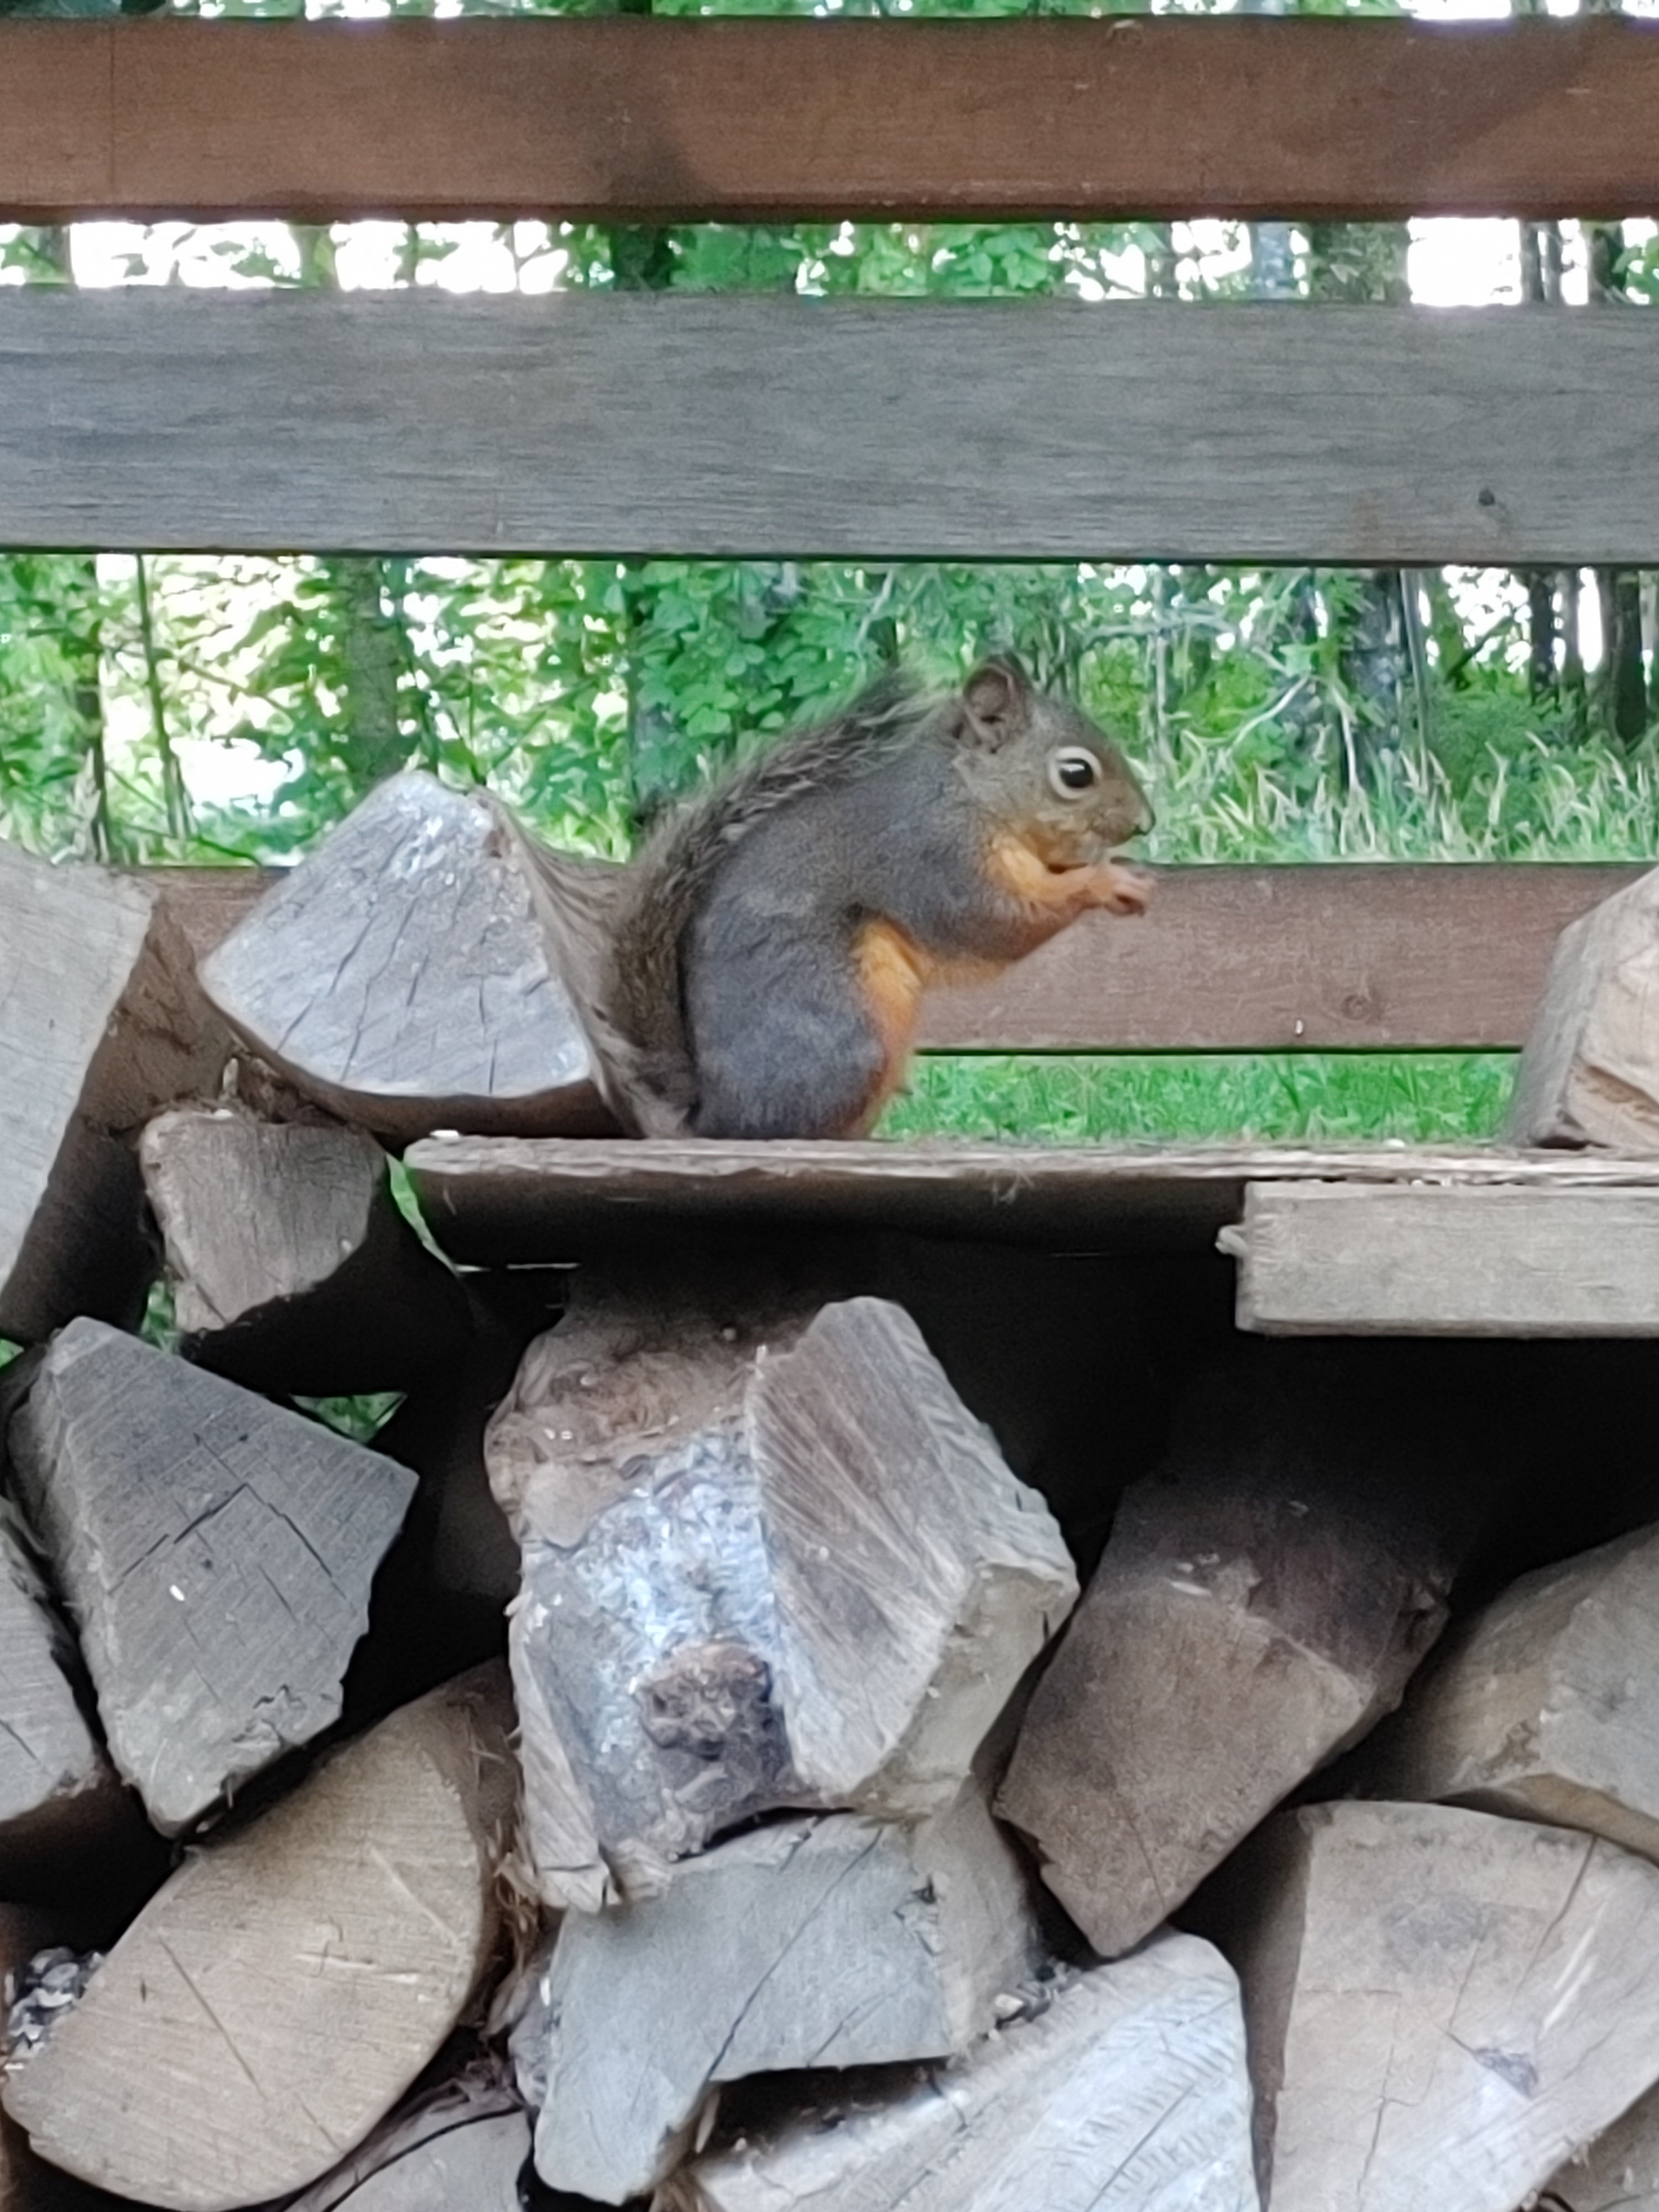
(1354, 955)
(163, 418)
(504, 1201)
(1334, 1259)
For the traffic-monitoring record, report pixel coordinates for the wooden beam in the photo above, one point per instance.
(745, 119)
(498, 1201)
(147, 418)
(1328, 1259)
(1350, 957)
(1379, 958)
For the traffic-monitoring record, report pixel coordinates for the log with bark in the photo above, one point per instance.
(770, 1560)
(1260, 1603)
(1127, 2093)
(418, 970)
(217, 1552)
(833, 1941)
(1442, 2005)
(274, 2000)
(292, 1269)
(101, 1023)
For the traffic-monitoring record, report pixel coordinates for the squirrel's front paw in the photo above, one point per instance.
(1120, 889)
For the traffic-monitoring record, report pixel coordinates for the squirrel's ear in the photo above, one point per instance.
(995, 697)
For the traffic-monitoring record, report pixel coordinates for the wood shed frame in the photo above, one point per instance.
(743, 427)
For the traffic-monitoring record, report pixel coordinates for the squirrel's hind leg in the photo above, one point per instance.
(783, 1041)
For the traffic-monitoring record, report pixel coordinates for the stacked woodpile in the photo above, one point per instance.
(832, 1719)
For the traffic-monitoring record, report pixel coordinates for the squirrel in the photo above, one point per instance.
(768, 959)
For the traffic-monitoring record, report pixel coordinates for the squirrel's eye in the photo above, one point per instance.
(1072, 771)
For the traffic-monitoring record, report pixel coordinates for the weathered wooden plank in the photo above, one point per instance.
(501, 1201)
(684, 121)
(1328, 1260)
(1288, 959)
(1346, 956)
(580, 424)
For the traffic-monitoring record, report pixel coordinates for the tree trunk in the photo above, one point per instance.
(1621, 689)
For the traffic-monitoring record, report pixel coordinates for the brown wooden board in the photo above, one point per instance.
(684, 121)
(504, 1201)
(150, 417)
(1348, 957)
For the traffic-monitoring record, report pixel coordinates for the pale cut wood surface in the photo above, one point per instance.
(1543, 1705)
(1589, 1071)
(1618, 2172)
(1324, 1260)
(289, 1982)
(498, 1202)
(836, 1942)
(1343, 955)
(1441, 2004)
(148, 418)
(1128, 2093)
(215, 1550)
(683, 121)
(407, 974)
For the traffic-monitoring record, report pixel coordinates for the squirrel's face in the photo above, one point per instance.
(1047, 770)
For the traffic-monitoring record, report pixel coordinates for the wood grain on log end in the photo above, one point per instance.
(1129, 2090)
(1442, 2005)
(405, 975)
(215, 1550)
(275, 1998)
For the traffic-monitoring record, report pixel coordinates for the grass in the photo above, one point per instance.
(1344, 1097)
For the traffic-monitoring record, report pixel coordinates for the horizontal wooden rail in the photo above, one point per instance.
(1344, 957)
(578, 424)
(740, 120)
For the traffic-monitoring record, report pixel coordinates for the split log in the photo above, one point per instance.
(415, 971)
(101, 1023)
(28, 2184)
(1542, 1705)
(1128, 2093)
(835, 1941)
(1260, 1603)
(770, 1559)
(216, 1551)
(1589, 1072)
(293, 1269)
(1441, 2005)
(58, 1794)
(274, 1999)
(458, 2147)
(1618, 2172)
